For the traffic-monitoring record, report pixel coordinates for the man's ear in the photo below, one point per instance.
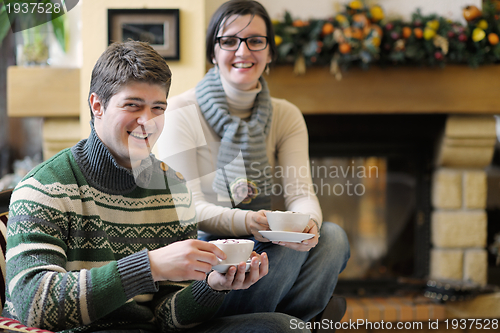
(96, 106)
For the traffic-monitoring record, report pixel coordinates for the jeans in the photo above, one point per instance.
(252, 323)
(299, 284)
(248, 323)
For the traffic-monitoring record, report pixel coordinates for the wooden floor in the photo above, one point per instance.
(393, 309)
(414, 314)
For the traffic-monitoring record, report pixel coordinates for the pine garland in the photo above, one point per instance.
(360, 35)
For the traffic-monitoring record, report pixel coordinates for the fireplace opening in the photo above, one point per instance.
(372, 175)
(374, 200)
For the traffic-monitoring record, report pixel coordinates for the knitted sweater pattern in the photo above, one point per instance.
(80, 228)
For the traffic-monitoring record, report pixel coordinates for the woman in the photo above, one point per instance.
(240, 150)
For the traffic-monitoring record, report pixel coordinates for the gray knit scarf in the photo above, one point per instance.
(242, 158)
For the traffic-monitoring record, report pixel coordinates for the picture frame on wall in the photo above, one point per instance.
(158, 27)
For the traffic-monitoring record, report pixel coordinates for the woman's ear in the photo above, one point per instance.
(96, 106)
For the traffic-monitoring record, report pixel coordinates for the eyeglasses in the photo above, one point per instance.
(232, 43)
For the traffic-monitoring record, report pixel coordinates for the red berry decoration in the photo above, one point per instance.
(394, 35)
(438, 55)
(462, 37)
(389, 26)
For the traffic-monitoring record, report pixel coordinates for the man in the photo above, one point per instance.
(101, 237)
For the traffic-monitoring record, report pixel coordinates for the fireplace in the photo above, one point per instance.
(430, 134)
(372, 174)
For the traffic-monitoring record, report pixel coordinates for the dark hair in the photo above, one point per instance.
(127, 62)
(238, 7)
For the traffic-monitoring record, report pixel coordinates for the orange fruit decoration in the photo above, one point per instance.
(361, 19)
(406, 32)
(367, 29)
(299, 23)
(471, 13)
(344, 48)
(493, 38)
(348, 32)
(327, 29)
(357, 33)
(418, 33)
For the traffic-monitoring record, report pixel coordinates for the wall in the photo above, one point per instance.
(194, 17)
(94, 33)
(324, 8)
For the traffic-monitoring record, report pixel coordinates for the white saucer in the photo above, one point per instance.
(224, 267)
(285, 236)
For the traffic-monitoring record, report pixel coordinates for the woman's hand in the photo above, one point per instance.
(236, 278)
(307, 244)
(256, 221)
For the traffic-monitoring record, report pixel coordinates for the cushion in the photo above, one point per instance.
(14, 325)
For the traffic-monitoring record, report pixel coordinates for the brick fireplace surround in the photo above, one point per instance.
(458, 222)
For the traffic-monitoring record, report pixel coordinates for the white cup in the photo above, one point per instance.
(287, 221)
(236, 250)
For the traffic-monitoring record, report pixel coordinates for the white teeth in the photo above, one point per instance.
(243, 65)
(139, 135)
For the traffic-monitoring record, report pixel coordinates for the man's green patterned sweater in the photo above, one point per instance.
(80, 227)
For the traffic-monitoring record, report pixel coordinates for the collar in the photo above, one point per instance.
(101, 170)
(240, 102)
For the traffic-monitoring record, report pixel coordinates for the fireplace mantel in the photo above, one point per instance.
(455, 89)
